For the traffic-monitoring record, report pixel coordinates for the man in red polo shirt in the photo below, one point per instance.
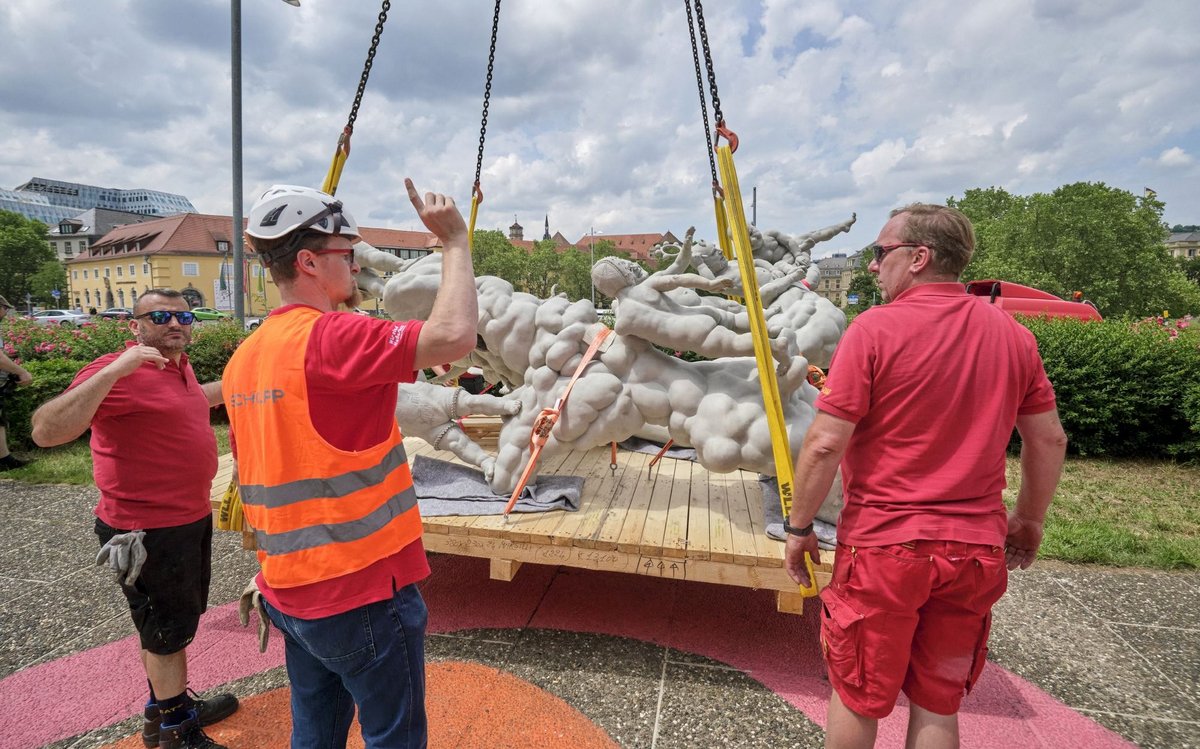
(154, 456)
(918, 409)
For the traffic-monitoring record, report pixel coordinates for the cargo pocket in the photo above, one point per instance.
(841, 626)
(981, 651)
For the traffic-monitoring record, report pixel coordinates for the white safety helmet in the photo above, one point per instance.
(288, 209)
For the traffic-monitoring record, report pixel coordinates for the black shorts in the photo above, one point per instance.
(171, 593)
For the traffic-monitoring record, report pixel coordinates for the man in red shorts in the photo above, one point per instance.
(918, 409)
(154, 456)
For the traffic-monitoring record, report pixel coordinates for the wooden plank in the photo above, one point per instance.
(745, 548)
(698, 543)
(660, 504)
(612, 492)
(645, 483)
(770, 551)
(789, 603)
(561, 527)
(675, 534)
(747, 576)
(720, 530)
(632, 469)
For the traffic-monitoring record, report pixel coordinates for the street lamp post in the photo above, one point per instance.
(592, 244)
(239, 252)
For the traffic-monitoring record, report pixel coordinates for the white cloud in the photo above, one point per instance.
(841, 105)
(1175, 156)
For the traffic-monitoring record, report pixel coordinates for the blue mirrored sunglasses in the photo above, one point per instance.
(162, 317)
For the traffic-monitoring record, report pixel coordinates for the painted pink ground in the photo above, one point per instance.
(736, 626)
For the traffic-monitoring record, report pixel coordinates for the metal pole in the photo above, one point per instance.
(592, 243)
(235, 46)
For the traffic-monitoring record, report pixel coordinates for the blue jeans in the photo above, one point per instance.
(372, 657)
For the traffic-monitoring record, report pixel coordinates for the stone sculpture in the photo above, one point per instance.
(532, 347)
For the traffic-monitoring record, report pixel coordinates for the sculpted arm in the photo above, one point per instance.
(69, 415)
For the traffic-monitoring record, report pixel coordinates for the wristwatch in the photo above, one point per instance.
(792, 531)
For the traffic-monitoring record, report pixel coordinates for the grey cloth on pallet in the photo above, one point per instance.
(444, 488)
(773, 517)
(639, 445)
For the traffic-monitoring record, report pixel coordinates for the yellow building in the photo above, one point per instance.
(193, 253)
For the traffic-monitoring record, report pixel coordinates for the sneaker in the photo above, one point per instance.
(9, 462)
(219, 707)
(186, 735)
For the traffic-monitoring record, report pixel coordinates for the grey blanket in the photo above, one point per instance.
(444, 488)
(773, 516)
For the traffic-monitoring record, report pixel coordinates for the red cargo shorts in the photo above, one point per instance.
(912, 616)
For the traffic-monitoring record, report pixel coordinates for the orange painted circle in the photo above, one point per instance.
(469, 706)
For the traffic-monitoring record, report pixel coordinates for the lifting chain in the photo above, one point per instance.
(362, 83)
(712, 163)
(708, 64)
(487, 97)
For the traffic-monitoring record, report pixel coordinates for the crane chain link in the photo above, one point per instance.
(362, 83)
(487, 93)
(712, 164)
(708, 63)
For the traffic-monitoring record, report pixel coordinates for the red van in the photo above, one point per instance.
(1016, 299)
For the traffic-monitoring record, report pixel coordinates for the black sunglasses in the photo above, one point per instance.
(880, 251)
(162, 317)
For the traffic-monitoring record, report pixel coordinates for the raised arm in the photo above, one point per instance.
(69, 415)
(449, 331)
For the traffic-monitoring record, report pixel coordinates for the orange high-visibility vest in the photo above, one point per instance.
(318, 512)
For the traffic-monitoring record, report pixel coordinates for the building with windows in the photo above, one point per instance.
(836, 272)
(82, 197)
(1184, 244)
(193, 253)
(36, 207)
(72, 236)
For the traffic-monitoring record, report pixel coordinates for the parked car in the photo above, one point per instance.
(208, 313)
(60, 317)
(252, 323)
(116, 313)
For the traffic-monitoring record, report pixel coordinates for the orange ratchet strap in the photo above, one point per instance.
(544, 424)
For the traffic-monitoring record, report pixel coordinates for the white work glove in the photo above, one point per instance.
(125, 555)
(252, 600)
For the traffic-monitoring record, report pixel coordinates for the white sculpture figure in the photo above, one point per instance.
(533, 346)
(644, 309)
(431, 412)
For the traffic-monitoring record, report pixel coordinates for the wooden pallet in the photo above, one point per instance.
(674, 519)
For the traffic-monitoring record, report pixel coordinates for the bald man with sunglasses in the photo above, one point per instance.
(154, 456)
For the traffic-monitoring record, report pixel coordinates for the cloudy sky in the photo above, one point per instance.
(840, 106)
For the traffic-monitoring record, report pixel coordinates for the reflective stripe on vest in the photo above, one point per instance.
(318, 512)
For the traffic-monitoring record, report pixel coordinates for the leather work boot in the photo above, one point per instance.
(218, 707)
(186, 735)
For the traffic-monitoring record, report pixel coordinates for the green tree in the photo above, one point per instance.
(1190, 267)
(23, 250)
(575, 274)
(863, 284)
(494, 255)
(1084, 236)
(542, 270)
(50, 277)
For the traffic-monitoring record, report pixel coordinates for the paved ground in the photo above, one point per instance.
(1080, 656)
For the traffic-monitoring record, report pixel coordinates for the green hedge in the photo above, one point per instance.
(1125, 389)
(53, 355)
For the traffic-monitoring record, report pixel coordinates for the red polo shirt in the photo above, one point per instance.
(154, 454)
(353, 365)
(934, 382)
